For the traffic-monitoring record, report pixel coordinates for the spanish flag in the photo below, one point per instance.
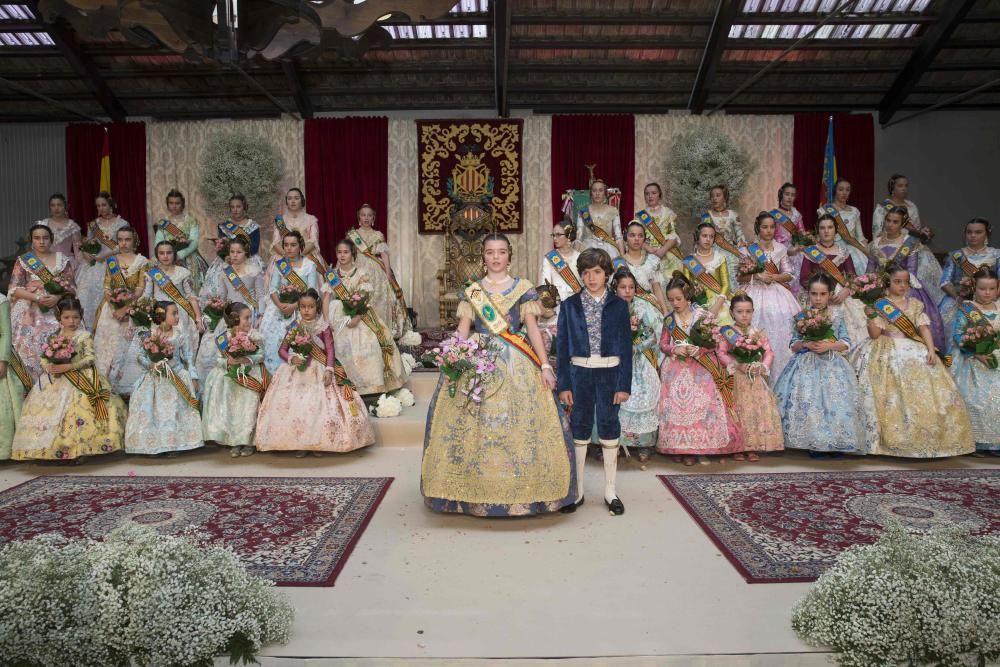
(829, 168)
(105, 164)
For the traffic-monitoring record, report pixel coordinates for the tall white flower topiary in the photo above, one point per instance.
(237, 163)
(701, 159)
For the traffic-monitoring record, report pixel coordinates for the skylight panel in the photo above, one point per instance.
(451, 30)
(896, 14)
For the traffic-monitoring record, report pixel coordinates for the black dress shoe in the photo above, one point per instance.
(616, 507)
(569, 509)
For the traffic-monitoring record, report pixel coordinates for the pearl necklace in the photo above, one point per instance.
(497, 282)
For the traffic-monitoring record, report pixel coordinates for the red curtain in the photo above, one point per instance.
(127, 142)
(347, 165)
(854, 146)
(608, 142)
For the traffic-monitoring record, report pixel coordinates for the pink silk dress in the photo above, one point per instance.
(756, 406)
(774, 306)
(694, 420)
(300, 413)
(30, 326)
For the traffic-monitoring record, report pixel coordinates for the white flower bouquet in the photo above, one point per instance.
(410, 339)
(406, 397)
(137, 598)
(388, 406)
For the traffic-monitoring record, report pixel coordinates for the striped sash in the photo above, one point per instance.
(97, 394)
(818, 257)
(563, 269)
(355, 236)
(720, 239)
(115, 273)
(893, 315)
(289, 274)
(385, 343)
(640, 291)
(760, 256)
(318, 354)
(234, 231)
(594, 228)
(710, 362)
(37, 267)
(162, 280)
(480, 301)
(783, 220)
(239, 285)
(169, 227)
(20, 370)
(701, 274)
(101, 237)
(962, 262)
(182, 389)
(842, 228)
(245, 380)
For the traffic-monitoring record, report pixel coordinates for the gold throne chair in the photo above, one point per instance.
(470, 189)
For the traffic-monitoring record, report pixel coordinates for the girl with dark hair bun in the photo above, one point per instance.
(235, 385)
(659, 223)
(756, 406)
(851, 217)
(559, 270)
(295, 218)
(102, 239)
(962, 264)
(374, 257)
(182, 231)
(711, 270)
(725, 219)
(66, 233)
(164, 415)
(919, 410)
(696, 416)
(238, 226)
(976, 375)
(895, 246)
(645, 267)
(599, 223)
(335, 419)
(818, 394)
(291, 275)
(70, 413)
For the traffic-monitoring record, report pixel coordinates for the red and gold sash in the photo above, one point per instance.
(720, 239)
(640, 291)
(339, 373)
(595, 228)
(385, 343)
(288, 273)
(708, 360)
(20, 370)
(102, 237)
(760, 255)
(563, 269)
(701, 274)
(480, 301)
(818, 257)
(91, 387)
(651, 357)
(355, 236)
(37, 267)
(895, 316)
(163, 281)
(962, 262)
(239, 285)
(169, 227)
(842, 228)
(182, 388)
(779, 216)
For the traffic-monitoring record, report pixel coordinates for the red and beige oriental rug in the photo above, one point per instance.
(785, 527)
(294, 531)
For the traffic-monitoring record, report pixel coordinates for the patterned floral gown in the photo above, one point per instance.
(112, 337)
(920, 411)
(638, 415)
(90, 277)
(384, 299)
(609, 221)
(774, 306)
(11, 387)
(756, 405)
(30, 327)
(229, 409)
(218, 285)
(273, 324)
(979, 384)
(509, 456)
(59, 422)
(929, 270)
(953, 275)
(884, 251)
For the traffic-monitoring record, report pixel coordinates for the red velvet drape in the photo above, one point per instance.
(854, 145)
(128, 172)
(608, 142)
(347, 165)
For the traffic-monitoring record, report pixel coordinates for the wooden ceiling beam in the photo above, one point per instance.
(501, 53)
(295, 85)
(66, 44)
(712, 54)
(924, 54)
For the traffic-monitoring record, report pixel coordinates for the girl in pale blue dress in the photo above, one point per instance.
(977, 377)
(295, 270)
(163, 413)
(821, 409)
(961, 264)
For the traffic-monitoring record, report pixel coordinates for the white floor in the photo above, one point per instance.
(422, 585)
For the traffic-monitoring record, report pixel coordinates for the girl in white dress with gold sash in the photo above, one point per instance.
(857, 245)
(599, 223)
(66, 234)
(373, 256)
(90, 274)
(293, 270)
(559, 269)
(644, 267)
(296, 219)
(788, 222)
(661, 232)
(726, 220)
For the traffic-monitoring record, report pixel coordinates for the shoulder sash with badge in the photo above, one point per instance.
(651, 226)
(239, 285)
(701, 274)
(595, 228)
(496, 323)
(905, 249)
(182, 389)
(962, 262)
(820, 258)
(720, 238)
(37, 267)
(761, 257)
(564, 270)
(115, 274)
(385, 343)
(101, 237)
(845, 234)
(244, 380)
(640, 291)
(233, 231)
(779, 217)
(287, 272)
(355, 237)
(163, 281)
(896, 317)
(171, 228)
(707, 359)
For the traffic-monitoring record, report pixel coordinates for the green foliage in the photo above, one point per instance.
(236, 163)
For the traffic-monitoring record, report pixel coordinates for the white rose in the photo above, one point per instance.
(406, 397)
(388, 406)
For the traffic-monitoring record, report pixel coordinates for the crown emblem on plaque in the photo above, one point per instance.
(470, 179)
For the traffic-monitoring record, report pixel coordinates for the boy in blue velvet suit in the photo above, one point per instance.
(594, 341)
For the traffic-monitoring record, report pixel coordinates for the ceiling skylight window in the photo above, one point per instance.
(894, 12)
(454, 29)
(10, 16)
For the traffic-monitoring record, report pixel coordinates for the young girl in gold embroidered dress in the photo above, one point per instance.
(70, 413)
(665, 220)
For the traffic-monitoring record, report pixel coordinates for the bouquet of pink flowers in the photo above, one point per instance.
(240, 345)
(289, 294)
(215, 306)
(868, 288)
(158, 348)
(91, 247)
(300, 342)
(966, 287)
(58, 286)
(748, 349)
(803, 239)
(58, 349)
(141, 312)
(814, 325)
(469, 366)
(221, 248)
(120, 296)
(356, 303)
(980, 339)
(750, 266)
(704, 332)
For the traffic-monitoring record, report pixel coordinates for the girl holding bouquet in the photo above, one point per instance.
(660, 225)
(37, 281)
(708, 268)
(373, 257)
(919, 409)
(163, 411)
(957, 281)
(291, 276)
(976, 334)
(237, 281)
(821, 409)
(364, 342)
(14, 382)
(745, 351)
(854, 241)
(181, 230)
(71, 413)
(124, 282)
(312, 406)
(638, 415)
(66, 232)
(236, 384)
(768, 284)
(237, 226)
(644, 267)
(696, 408)
(99, 244)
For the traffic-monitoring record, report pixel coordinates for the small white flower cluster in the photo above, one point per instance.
(388, 406)
(406, 398)
(238, 163)
(910, 599)
(138, 596)
(408, 362)
(410, 339)
(701, 159)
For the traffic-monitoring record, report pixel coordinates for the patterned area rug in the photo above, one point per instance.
(784, 527)
(294, 531)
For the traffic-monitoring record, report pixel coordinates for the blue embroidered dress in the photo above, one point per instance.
(979, 384)
(953, 275)
(274, 325)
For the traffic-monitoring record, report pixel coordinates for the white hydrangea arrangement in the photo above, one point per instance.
(137, 598)
(238, 163)
(408, 362)
(406, 398)
(701, 159)
(410, 339)
(908, 599)
(388, 406)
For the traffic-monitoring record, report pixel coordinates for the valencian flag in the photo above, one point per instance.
(829, 168)
(105, 164)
